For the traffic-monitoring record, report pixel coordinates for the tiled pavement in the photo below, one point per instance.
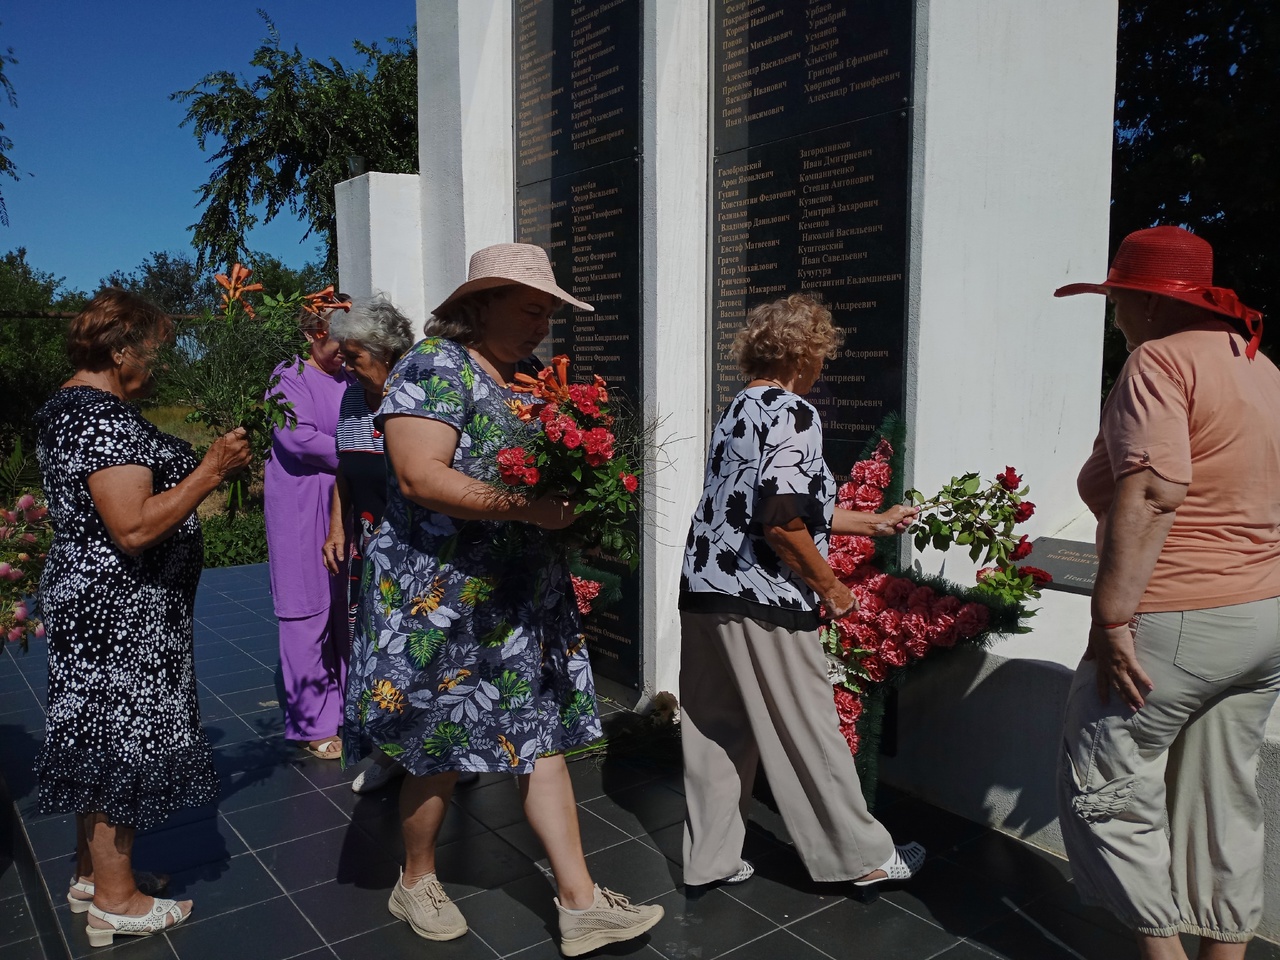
(292, 864)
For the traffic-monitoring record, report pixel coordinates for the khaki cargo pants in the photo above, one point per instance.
(1159, 808)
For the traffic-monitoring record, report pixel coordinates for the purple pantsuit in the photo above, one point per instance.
(308, 600)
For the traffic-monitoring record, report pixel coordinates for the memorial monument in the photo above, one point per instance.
(933, 169)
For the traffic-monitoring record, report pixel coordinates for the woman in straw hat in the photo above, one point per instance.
(467, 653)
(1169, 706)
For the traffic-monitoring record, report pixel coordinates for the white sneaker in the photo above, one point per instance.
(376, 776)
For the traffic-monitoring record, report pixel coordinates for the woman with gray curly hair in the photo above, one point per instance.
(371, 336)
(754, 585)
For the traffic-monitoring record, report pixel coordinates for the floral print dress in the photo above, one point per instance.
(468, 651)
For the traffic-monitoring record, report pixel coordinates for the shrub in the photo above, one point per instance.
(234, 539)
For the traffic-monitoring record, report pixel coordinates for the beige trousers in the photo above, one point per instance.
(753, 692)
(1159, 808)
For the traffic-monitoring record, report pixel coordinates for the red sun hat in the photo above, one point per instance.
(1174, 263)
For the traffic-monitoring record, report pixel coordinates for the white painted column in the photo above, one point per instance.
(1011, 196)
(465, 151)
(380, 240)
(675, 126)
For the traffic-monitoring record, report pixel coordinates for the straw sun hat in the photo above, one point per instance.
(504, 264)
(1173, 263)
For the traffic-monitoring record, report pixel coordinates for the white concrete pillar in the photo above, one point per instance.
(1011, 185)
(465, 151)
(380, 240)
(675, 129)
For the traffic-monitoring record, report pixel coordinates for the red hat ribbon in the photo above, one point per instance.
(1227, 301)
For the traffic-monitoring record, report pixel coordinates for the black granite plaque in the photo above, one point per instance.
(823, 212)
(1073, 564)
(783, 66)
(577, 85)
(589, 222)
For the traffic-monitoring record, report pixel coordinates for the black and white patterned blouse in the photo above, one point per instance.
(124, 735)
(764, 466)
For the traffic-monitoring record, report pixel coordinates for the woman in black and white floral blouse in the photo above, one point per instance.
(753, 676)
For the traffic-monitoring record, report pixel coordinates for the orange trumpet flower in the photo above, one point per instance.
(551, 384)
(236, 287)
(323, 301)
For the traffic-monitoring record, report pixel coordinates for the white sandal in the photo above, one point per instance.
(152, 884)
(154, 921)
(903, 865)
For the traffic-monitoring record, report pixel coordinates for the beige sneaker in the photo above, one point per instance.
(610, 919)
(427, 909)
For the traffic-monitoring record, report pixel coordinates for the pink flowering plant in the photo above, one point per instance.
(570, 447)
(902, 617)
(25, 536)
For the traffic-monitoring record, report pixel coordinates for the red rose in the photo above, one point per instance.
(1009, 479)
(972, 620)
(1023, 511)
(897, 590)
(868, 499)
(572, 438)
(1040, 577)
(548, 413)
(629, 482)
(1022, 549)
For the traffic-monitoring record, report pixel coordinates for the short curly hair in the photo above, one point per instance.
(112, 321)
(781, 335)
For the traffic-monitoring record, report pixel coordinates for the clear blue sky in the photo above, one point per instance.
(112, 174)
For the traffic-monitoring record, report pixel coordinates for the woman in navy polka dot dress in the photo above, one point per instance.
(124, 746)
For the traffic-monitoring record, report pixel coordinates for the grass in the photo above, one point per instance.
(173, 420)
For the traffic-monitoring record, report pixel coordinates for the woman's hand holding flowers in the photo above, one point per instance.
(229, 453)
(551, 513)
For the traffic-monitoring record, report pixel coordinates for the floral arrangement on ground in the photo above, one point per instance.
(904, 616)
(25, 536)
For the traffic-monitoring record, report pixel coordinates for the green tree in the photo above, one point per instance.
(1198, 136)
(7, 167)
(33, 348)
(171, 280)
(287, 132)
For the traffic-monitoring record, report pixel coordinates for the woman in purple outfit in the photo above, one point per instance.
(309, 602)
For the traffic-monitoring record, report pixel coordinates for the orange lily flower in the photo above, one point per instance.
(236, 287)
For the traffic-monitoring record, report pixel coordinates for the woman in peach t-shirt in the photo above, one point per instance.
(1169, 706)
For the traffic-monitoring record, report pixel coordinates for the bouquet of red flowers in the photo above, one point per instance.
(574, 451)
(25, 536)
(901, 618)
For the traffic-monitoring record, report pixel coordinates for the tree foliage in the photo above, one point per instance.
(286, 133)
(33, 349)
(173, 281)
(1198, 134)
(7, 167)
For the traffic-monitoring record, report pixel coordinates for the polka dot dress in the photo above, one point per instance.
(124, 735)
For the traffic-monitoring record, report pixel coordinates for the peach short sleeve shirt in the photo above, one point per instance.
(1192, 408)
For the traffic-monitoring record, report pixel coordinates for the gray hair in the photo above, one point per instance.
(376, 325)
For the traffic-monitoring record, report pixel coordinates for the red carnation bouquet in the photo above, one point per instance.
(902, 617)
(573, 449)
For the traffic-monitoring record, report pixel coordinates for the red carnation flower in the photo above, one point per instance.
(584, 592)
(874, 668)
(917, 646)
(861, 549)
(868, 499)
(972, 620)
(884, 451)
(897, 591)
(889, 622)
(1023, 511)
(893, 653)
(1022, 550)
(921, 596)
(842, 563)
(1009, 479)
(946, 606)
